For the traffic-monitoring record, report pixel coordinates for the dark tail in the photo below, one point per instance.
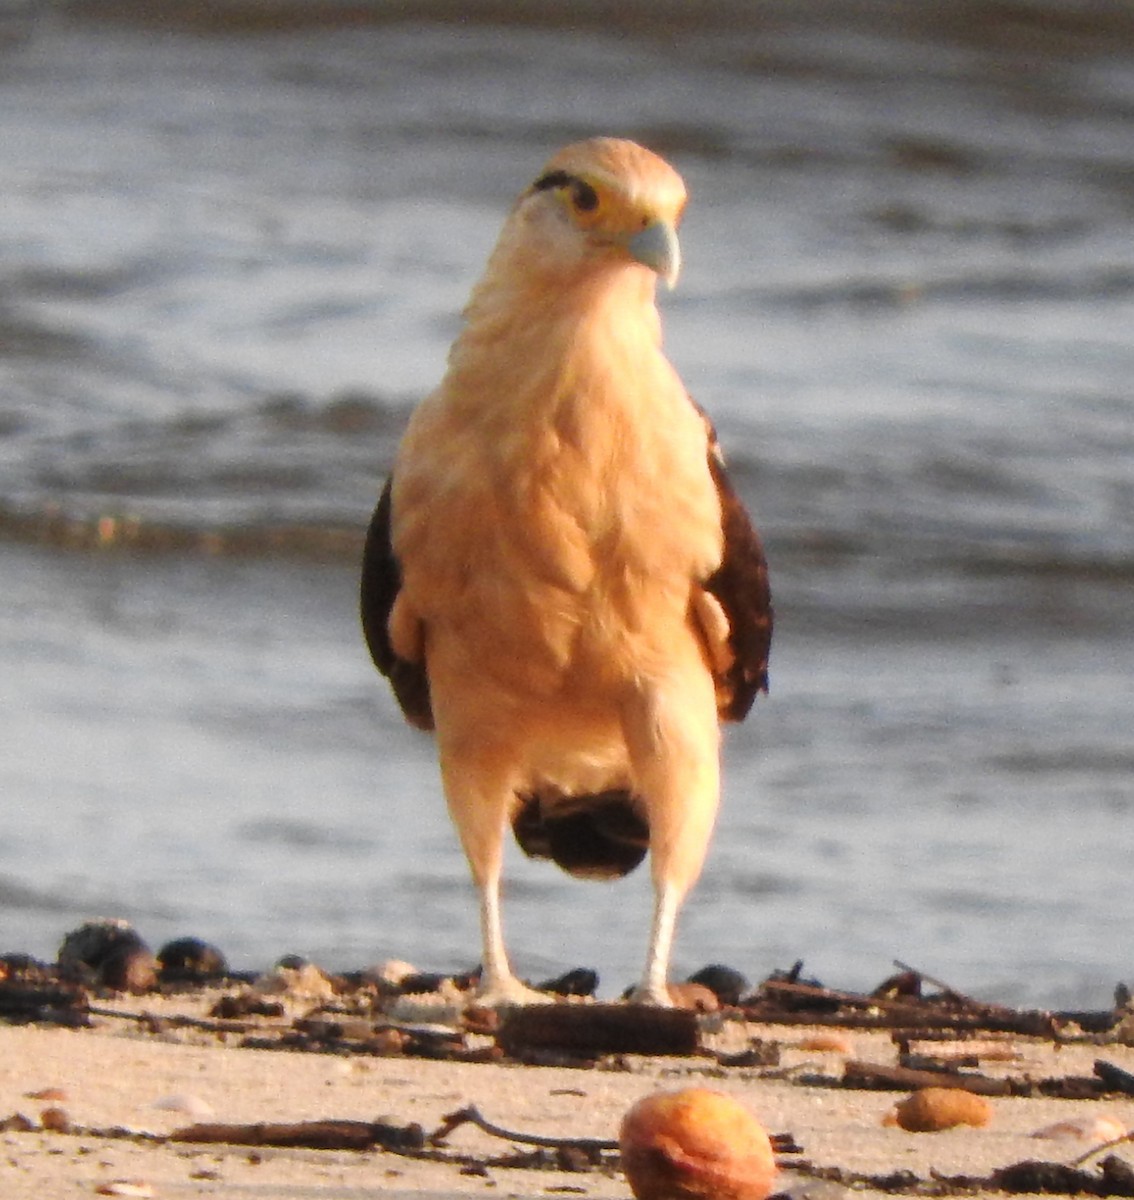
(591, 837)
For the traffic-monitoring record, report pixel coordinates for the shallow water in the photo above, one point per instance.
(231, 260)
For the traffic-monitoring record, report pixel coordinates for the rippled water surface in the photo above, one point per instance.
(231, 259)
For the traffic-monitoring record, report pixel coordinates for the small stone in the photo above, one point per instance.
(935, 1108)
(55, 1120)
(726, 983)
(581, 981)
(190, 960)
(48, 1093)
(110, 954)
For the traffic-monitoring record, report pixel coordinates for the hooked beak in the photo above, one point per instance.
(657, 247)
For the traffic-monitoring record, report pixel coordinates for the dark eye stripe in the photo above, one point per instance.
(554, 179)
(585, 197)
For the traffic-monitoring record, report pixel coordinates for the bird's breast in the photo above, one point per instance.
(557, 534)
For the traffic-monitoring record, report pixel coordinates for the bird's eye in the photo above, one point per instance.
(585, 196)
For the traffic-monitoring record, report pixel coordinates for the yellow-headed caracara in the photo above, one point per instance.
(558, 578)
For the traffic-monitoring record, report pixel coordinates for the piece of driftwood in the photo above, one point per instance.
(1113, 1078)
(471, 1115)
(878, 1076)
(56, 1002)
(783, 1002)
(782, 1143)
(597, 1029)
(310, 1135)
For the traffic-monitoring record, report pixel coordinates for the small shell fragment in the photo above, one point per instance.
(124, 1187)
(935, 1108)
(187, 1103)
(1096, 1131)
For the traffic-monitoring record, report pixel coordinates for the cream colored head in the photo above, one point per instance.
(601, 203)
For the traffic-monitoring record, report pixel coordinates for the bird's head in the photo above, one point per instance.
(601, 202)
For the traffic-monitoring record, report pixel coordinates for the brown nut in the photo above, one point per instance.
(695, 1144)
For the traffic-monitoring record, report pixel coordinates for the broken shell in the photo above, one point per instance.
(934, 1108)
(124, 1187)
(192, 1106)
(1095, 1130)
(47, 1093)
(695, 1144)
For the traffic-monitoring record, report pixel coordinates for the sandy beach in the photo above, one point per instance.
(122, 1076)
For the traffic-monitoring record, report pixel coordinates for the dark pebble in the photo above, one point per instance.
(108, 954)
(580, 982)
(726, 983)
(190, 960)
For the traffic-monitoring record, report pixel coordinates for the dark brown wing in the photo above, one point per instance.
(381, 582)
(740, 585)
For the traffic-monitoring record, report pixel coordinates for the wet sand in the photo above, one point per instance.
(112, 1077)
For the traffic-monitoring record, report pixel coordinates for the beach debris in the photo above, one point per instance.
(124, 1187)
(1115, 1177)
(247, 1003)
(294, 978)
(596, 1029)
(899, 1003)
(694, 996)
(726, 983)
(922, 1052)
(1114, 1079)
(309, 1135)
(580, 981)
(1098, 1129)
(108, 953)
(471, 1115)
(883, 1077)
(935, 1108)
(825, 1043)
(32, 991)
(695, 1144)
(391, 972)
(47, 1093)
(186, 1103)
(55, 1120)
(190, 960)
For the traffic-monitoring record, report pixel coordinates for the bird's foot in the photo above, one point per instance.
(651, 993)
(509, 992)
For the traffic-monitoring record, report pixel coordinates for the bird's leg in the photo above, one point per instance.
(499, 985)
(480, 813)
(652, 988)
(674, 742)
